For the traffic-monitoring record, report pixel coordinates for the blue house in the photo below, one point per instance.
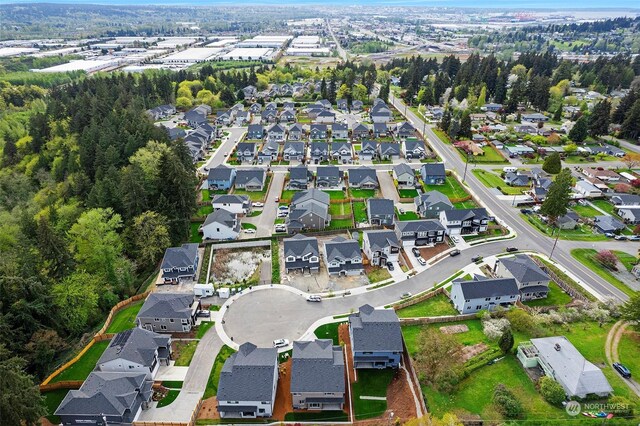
(433, 173)
(376, 338)
(221, 177)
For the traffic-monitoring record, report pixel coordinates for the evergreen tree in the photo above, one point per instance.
(482, 97)
(506, 341)
(500, 93)
(445, 121)
(323, 88)
(384, 91)
(465, 125)
(558, 197)
(557, 115)
(21, 403)
(579, 131)
(454, 129)
(552, 164)
(631, 126)
(623, 108)
(599, 119)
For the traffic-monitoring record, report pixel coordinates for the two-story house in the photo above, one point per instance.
(341, 151)
(405, 130)
(221, 225)
(363, 178)
(433, 173)
(296, 132)
(276, 132)
(308, 210)
(419, 232)
(180, 263)
(318, 131)
(301, 254)
(404, 175)
(413, 148)
(168, 312)
(388, 150)
(343, 257)
(360, 131)
(465, 221)
(329, 177)
(380, 130)
(299, 177)
(339, 131)
(246, 152)
(381, 246)
(319, 151)
(376, 338)
(380, 211)
(221, 177)
(255, 132)
(238, 204)
(368, 150)
(483, 293)
(430, 204)
(269, 152)
(293, 151)
(532, 281)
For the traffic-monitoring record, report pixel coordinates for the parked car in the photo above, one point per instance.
(390, 266)
(314, 298)
(281, 229)
(277, 199)
(511, 249)
(634, 238)
(454, 239)
(283, 207)
(454, 252)
(582, 202)
(401, 210)
(620, 237)
(609, 234)
(421, 261)
(258, 204)
(249, 231)
(416, 251)
(405, 295)
(624, 371)
(525, 211)
(477, 258)
(280, 343)
(282, 214)
(204, 314)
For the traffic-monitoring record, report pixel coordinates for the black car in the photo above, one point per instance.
(416, 252)
(454, 252)
(525, 211)
(624, 371)
(511, 249)
(204, 314)
(390, 266)
(477, 258)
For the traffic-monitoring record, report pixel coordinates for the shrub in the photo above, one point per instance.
(552, 164)
(495, 327)
(506, 341)
(551, 390)
(520, 320)
(621, 406)
(607, 259)
(506, 402)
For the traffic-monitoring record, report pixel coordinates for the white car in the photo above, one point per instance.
(422, 261)
(280, 343)
(283, 214)
(258, 204)
(249, 231)
(314, 298)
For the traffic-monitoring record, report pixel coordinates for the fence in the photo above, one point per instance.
(420, 298)
(434, 320)
(561, 283)
(191, 422)
(66, 384)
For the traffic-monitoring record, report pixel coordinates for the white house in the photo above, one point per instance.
(482, 293)
(221, 225)
(381, 246)
(238, 204)
(587, 189)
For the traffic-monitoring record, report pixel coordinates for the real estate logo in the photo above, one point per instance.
(572, 408)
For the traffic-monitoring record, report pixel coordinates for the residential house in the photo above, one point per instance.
(562, 362)
(248, 382)
(301, 254)
(329, 177)
(269, 116)
(483, 294)
(242, 118)
(269, 152)
(289, 106)
(276, 132)
(465, 221)
(196, 145)
(404, 175)
(168, 312)
(317, 375)
(342, 151)
(296, 132)
(380, 130)
(568, 221)
(250, 179)
(604, 175)
(318, 131)
(221, 177)
(413, 148)
(380, 113)
(299, 177)
(246, 152)
(343, 105)
(225, 117)
(106, 398)
(630, 215)
(532, 281)
(287, 116)
(325, 104)
(389, 150)
(625, 200)
(381, 246)
(339, 131)
(420, 232)
(221, 225)
(319, 151)
(356, 105)
(160, 112)
(368, 150)
(607, 224)
(360, 131)
(255, 108)
(535, 117)
(308, 210)
(430, 204)
(238, 204)
(433, 173)
(516, 179)
(343, 257)
(250, 92)
(255, 132)
(176, 133)
(180, 263)
(293, 151)
(380, 211)
(363, 178)
(376, 338)
(526, 129)
(491, 107)
(197, 116)
(405, 130)
(586, 189)
(605, 149)
(271, 106)
(325, 117)
(136, 351)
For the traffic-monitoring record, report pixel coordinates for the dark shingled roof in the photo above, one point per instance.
(317, 366)
(247, 375)
(375, 330)
(491, 287)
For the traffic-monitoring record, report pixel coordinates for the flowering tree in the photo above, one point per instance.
(607, 259)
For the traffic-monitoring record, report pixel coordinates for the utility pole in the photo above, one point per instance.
(466, 164)
(554, 244)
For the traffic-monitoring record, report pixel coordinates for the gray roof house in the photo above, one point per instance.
(301, 254)
(342, 104)
(376, 338)
(161, 111)
(296, 131)
(413, 148)
(516, 179)
(293, 151)
(568, 221)
(319, 151)
(238, 204)
(405, 130)
(317, 375)
(532, 281)
(368, 150)
(168, 312)
(106, 398)
(380, 211)
(343, 257)
(359, 131)
(380, 113)
(339, 131)
(255, 131)
(222, 224)
(180, 263)
(250, 179)
(287, 116)
(433, 173)
(136, 351)
(465, 221)
(221, 177)
(329, 177)
(246, 152)
(483, 293)
(318, 131)
(380, 130)
(325, 117)
(363, 177)
(276, 132)
(299, 177)
(388, 150)
(381, 246)
(625, 200)
(357, 105)
(269, 152)
(342, 151)
(630, 215)
(562, 362)
(430, 204)
(248, 381)
(420, 232)
(308, 210)
(404, 175)
(604, 224)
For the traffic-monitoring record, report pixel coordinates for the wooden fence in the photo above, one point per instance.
(433, 320)
(65, 384)
(561, 283)
(421, 298)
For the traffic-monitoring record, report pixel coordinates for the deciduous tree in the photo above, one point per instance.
(439, 359)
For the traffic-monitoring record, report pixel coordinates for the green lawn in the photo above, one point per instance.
(491, 155)
(248, 226)
(626, 259)
(125, 318)
(451, 188)
(491, 180)
(407, 193)
(370, 383)
(362, 193)
(320, 416)
(287, 194)
(206, 195)
(379, 274)
(196, 236)
(628, 351)
(328, 331)
(586, 211)
(255, 195)
(360, 211)
(214, 376)
(185, 352)
(52, 400)
(581, 233)
(436, 306)
(340, 209)
(469, 204)
(409, 215)
(85, 365)
(340, 224)
(172, 384)
(204, 211)
(255, 213)
(442, 135)
(203, 328)
(556, 297)
(336, 195)
(586, 257)
(604, 205)
(169, 398)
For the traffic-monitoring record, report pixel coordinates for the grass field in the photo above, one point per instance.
(469, 204)
(169, 398)
(436, 306)
(556, 297)
(491, 156)
(586, 211)
(379, 274)
(370, 383)
(407, 215)
(628, 350)
(360, 211)
(287, 194)
(85, 365)
(340, 209)
(585, 256)
(196, 236)
(328, 331)
(340, 224)
(125, 318)
(185, 351)
(604, 205)
(626, 259)
(452, 188)
(52, 400)
(581, 233)
(336, 195)
(203, 328)
(362, 193)
(407, 193)
(214, 375)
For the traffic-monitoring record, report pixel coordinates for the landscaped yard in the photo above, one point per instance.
(169, 398)
(407, 193)
(581, 233)
(469, 204)
(184, 352)
(378, 274)
(409, 215)
(246, 225)
(556, 297)
(340, 223)
(362, 193)
(336, 195)
(328, 331)
(586, 211)
(125, 318)
(204, 211)
(214, 376)
(604, 205)
(206, 195)
(586, 257)
(370, 383)
(255, 195)
(287, 194)
(319, 416)
(340, 209)
(196, 236)
(451, 188)
(436, 306)
(203, 328)
(492, 180)
(85, 365)
(360, 211)
(628, 260)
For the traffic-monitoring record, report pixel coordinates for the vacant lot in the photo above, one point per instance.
(436, 306)
(236, 266)
(581, 233)
(451, 188)
(183, 352)
(586, 211)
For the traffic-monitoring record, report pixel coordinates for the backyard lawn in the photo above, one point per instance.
(214, 376)
(409, 215)
(287, 194)
(371, 383)
(336, 195)
(340, 209)
(184, 352)
(491, 155)
(436, 306)
(340, 224)
(360, 211)
(407, 193)
(581, 233)
(196, 236)
(206, 195)
(451, 188)
(52, 400)
(328, 331)
(586, 257)
(85, 365)
(556, 297)
(125, 318)
(604, 205)
(318, 416)
(362, 193)
(586, 211)
(204, 211)
(469, 204)
(255, 195)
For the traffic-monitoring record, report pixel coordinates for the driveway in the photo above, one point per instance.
(227, 145)
(386, 185)
(264, 221)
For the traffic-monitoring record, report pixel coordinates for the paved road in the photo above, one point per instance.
(528, 237)
(218, 157)
(343, 54)
(264, 222)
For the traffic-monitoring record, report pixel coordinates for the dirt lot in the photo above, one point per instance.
(234, 266)
(430, 252)
(469, 352)
(284, 402)
(209, 409)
